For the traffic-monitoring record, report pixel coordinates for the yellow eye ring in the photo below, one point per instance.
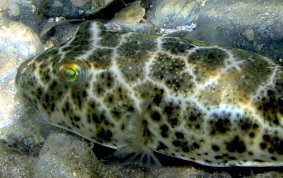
(71, 73)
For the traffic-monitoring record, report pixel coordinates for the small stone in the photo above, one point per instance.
(249, 34)
(133, 13)
(64, 155)
(13, 164)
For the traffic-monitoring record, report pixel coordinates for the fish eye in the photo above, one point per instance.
(71, 73)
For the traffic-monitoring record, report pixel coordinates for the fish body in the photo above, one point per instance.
(179, 97)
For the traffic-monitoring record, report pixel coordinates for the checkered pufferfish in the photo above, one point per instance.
(141, 94)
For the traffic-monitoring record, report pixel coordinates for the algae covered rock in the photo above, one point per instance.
(69, 8)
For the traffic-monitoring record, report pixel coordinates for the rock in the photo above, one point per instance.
(251, 25)
(64, 155)
(12, 52)
(13, 164)
(21, 11)
(10, 8)
(172, 13)
(132, 14)
(69, 8)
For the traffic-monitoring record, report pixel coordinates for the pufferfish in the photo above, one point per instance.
(142, 94)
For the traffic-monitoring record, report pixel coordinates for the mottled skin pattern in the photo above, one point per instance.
(182, 98)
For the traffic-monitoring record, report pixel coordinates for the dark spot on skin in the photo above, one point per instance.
(173, 122)
(161, 146)
(75, 124)
(277, 145)
(39, 91)
(236, 145)
(255, 126)
(77, 118)
(146, 132)
(78, 95)
(110, 99)
(258, 160)
(222, 125)
(156, 116)
(251, 134)
(215, 148)
(116, 113)
(104, 135)
(168, 110)
(271, 105)
(177, 143)
(232, 158)
(144, 122)
(192, 118)
(245, 124)
(218, 157)
(84, 94)
(186, 149)
(131, 108)
(157, 99)
(273, 158)
(207, 161)
(53, 85)
(263, 146)
(271, 150)
(106, 122)
(88, 118)
(47, 98)
(96, 119)
(102, 116)
(67, 106)
(52, 107)
(164, 131)
(92, 104)
(195, 145)
(179, 135)
(266, 138)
